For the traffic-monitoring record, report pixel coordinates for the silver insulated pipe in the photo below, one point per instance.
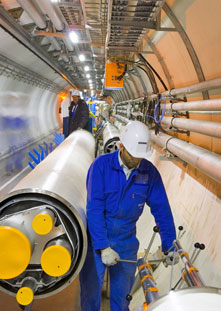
(43, 223)
(110, 138)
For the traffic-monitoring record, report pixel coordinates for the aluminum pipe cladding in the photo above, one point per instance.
(110, 138)
(43, 224)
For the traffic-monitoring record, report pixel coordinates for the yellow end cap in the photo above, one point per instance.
(56, 260)
(15, 252)
(42, 224)
(24, 296)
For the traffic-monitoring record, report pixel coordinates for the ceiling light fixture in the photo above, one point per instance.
(73, 36)
(86, 68)
(82, 58)
(88, 75)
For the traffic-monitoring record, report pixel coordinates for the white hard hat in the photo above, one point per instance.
(135, 137)
(75, 93)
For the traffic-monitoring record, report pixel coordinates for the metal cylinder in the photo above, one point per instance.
(33, 12)
(58, 185)
(203, 105)
(205, 298)
(203, 127)
(53, 13)
(199, 87)
(110, 138)
(206, 161)
(118, 124)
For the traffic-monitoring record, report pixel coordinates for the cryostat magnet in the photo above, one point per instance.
(43, 234)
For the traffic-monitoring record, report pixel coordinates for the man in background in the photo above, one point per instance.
(78, 113)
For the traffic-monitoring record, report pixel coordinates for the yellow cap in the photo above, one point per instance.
(55, 260)
(24, 296)
(15, 252)
(42, 224)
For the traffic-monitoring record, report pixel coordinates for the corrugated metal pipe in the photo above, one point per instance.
(203, 105)
(203, 127)
(206, 161)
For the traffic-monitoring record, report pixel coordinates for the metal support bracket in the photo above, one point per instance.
(171, 157)
(173, 129)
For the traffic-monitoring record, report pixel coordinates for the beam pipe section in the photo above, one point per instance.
(206, 161)
(203, 127)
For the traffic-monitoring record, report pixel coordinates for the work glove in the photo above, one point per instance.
(109, 257)
(171, 258)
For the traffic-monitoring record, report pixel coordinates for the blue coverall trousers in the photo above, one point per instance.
(91, 280)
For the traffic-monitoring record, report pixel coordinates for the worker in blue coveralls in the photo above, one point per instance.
(118, 186)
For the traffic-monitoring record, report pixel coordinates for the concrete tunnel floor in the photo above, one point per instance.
(66, 300)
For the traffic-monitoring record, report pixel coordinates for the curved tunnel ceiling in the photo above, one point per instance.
(165, 33)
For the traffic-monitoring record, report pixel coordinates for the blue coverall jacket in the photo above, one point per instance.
(114, 205)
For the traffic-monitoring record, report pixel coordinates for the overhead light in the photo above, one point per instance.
(73, 36)
(82, 58)
(88, 75)
(86, 68)
(90, 81)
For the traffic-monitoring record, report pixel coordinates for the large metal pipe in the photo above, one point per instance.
(203, 127)
(121, 118)
(53, 13)
(206, 161)
(33, 12)
(110, 138)
(203, 105)
(199, 87)
(45, 212)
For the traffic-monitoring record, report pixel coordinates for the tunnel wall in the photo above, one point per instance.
(27, 113)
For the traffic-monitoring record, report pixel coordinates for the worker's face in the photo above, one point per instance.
(75, 98)
(127, 158)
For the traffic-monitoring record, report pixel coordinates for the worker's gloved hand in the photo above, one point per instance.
(109, 257)
(171, 258)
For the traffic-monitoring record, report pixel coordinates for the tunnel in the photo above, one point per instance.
(153, 61)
